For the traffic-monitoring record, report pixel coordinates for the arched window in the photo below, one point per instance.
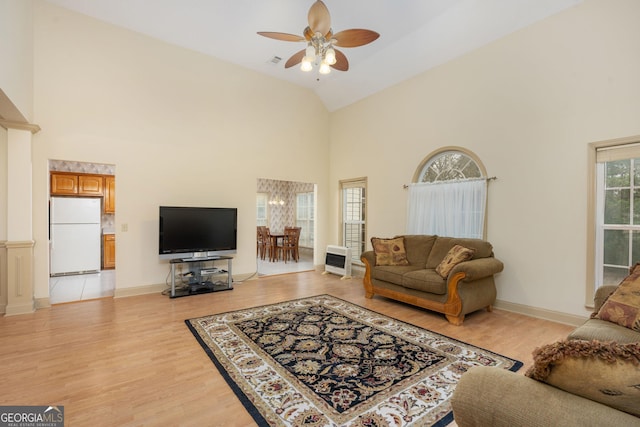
(449, 164)
(448, 195)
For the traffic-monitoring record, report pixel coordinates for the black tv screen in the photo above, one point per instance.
(198, 229)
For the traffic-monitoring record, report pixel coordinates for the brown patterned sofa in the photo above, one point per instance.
(416, 274)
(590, 379)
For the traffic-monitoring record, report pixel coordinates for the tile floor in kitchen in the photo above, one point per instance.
(81, 287)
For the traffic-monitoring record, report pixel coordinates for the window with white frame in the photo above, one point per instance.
(616, 244)
(353, 212)
(262, 211)
(448, 195)
(305, 218)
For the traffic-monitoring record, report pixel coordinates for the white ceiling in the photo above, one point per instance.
(415, 35)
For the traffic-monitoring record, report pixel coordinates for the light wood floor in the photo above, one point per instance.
(133, 362)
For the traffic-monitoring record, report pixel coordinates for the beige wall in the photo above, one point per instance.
(181, 129)
(16, 51)
(16, 81)
(527, 105)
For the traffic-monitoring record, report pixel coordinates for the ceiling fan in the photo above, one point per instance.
(321, 41)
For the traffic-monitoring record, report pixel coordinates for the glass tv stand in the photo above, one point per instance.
(202, 276)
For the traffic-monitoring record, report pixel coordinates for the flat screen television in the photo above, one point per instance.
(188, 232)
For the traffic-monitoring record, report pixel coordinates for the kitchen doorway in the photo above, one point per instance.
(81, 231)
(281, 204)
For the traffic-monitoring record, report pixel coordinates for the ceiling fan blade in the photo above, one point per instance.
(282, 36)
(354, 37)
(295, 59)
(319, 18)
(342, 64)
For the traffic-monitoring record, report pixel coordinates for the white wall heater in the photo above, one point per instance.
(338, 261)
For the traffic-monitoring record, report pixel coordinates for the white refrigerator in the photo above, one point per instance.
(74, 235)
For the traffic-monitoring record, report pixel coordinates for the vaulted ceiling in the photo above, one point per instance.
(415, 35)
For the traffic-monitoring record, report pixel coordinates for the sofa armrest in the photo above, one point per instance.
(490, 396)
(369, 256)
(478, 268)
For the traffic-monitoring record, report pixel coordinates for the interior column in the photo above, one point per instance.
(19, 244)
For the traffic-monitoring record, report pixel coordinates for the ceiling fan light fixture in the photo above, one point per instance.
(305, 65)
(324, 68)
(310, 52)
(330, 56)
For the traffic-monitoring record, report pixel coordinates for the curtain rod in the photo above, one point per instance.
(489, 178)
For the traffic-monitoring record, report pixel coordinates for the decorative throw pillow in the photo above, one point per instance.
(455, 256)
(606, 372)
(623, 305)
(389, 251)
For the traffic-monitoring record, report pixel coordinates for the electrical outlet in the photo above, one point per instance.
(124, 228)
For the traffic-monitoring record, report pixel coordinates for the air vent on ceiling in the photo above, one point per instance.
(275, 59)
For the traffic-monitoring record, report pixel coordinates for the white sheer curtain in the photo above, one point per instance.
(452, 209)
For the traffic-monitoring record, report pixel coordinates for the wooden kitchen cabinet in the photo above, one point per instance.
(90, 185)
(64, 184)
(110, 194)
(67, 184)
(108, 251)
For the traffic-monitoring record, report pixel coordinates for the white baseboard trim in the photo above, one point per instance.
(540, 313)
(139, 290)
(42, 303)
(239, 278)
(25, 308)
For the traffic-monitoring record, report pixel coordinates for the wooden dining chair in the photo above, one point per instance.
(264, 242)
(259, 240)
(290, 248)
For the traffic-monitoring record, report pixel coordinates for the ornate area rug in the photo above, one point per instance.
(322, 361)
